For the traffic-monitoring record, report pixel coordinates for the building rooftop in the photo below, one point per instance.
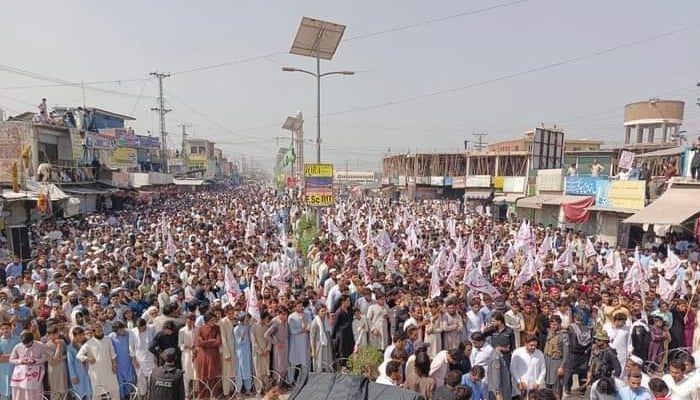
(96, 110)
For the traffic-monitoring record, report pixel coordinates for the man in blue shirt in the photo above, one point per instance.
(634, 389)
(19, 314)
(14, 268)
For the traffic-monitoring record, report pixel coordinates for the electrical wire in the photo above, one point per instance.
(138, 100)
(221, 126)
(357, 37)
(116, 81)
(435, 20)
(516, 74)
(17, 100)
(47, 78)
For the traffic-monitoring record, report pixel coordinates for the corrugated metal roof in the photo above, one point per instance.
(674, 151)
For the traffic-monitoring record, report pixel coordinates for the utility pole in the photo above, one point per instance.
(162, 111)
(480, 145)
(347, 172)
(183, 151)
(466, 144)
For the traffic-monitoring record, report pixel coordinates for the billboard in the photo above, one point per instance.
(13, 137)
(547, 149)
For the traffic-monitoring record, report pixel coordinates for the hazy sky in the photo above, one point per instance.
(241, 106)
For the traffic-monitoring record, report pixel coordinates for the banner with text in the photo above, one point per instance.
(318, 185)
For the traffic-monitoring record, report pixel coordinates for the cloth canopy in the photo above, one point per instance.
(674, 207)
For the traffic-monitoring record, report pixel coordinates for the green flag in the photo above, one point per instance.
(289, 157)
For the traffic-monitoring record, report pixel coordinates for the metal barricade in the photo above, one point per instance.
(131, 390)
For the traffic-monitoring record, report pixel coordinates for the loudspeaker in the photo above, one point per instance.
(19, 239)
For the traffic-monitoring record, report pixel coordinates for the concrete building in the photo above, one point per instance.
(525, 144)
(653, 122)
(200, 157)
(349, 178)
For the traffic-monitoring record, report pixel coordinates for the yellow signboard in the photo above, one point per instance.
(318, 170)
(124, 156)
(626, 194)
(498, 182)
(320, 199)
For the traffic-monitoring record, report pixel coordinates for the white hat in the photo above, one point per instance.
(636, 360)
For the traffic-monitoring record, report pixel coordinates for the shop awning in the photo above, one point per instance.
(612, 209)
(534, 201)
(674, 207)
(189, 182)
(563, 199)
(477, 194)
(88, 189)
(9, 195)
(509, 198)
(674, 151)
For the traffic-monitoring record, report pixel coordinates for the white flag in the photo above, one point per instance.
(565, 260)
(522, 238)
(434, 283)
(252, 304)
(671, 264)
(336, 234)
(589, 250)
(233, 291)
(475, 281)
(362, 266)
(527, 271)
(665, 290)
(486, 256)
(546, 245)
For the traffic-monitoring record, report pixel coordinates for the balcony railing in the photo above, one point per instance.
(52, 173)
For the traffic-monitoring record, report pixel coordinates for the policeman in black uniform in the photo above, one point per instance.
(167, 381)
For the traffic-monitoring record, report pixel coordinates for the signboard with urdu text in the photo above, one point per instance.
(437, 180)
(318, 185)
(549, 180)
(473, 181)
(581, 185)
(626, 160)
(458, 182)
(627, 194)
(513, 184)
(124, 156)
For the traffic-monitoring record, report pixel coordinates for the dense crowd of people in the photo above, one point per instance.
(219, 285)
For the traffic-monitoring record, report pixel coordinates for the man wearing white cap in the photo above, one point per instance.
(635, 366)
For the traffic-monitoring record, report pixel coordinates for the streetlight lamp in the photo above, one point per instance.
(317, 39)
(295, 124)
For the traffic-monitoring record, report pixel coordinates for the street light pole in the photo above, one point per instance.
(318, 108)
(325, 37)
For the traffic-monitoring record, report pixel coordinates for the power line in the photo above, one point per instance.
(221, 126)
(115, 81)
(516, 74)
(363, 36)
(47, 78)
(139, 98)
(436, 20)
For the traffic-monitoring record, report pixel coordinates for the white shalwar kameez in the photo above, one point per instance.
(185, 341)
(139, 343)
(102, 377)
